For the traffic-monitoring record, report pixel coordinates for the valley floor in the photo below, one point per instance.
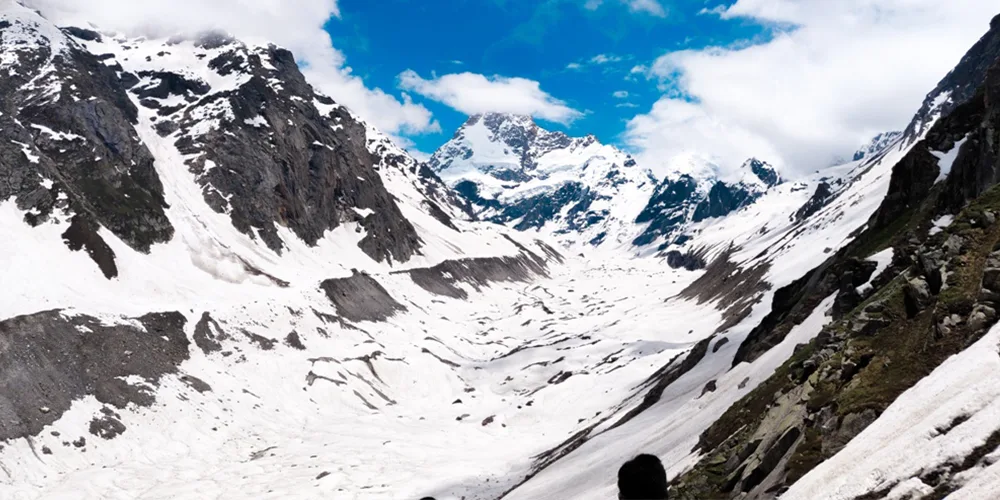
(449, 399)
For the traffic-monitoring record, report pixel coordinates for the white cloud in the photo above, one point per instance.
(620, 94)
(849, 70)
(717, 10)
(293, 24)
(605, 59)
(609, 62)
(472, 93)
(652, 7)
(418, 155)
(626, 105)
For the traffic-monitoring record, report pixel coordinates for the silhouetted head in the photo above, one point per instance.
(642, 478)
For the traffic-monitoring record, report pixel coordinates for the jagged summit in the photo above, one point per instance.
(516, 173)
(695, 192)
(877, 144)
(763, 172)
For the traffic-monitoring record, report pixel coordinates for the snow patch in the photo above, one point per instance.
(947, 159)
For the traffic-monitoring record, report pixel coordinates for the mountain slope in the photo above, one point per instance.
(515, 173)
(183, 212)
(880, 276)
(698, 194)
(886, 337)
(227, 285)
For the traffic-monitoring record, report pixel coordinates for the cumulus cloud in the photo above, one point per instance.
(294, 24)
(834, 74)
(620, 94)
(472, 93)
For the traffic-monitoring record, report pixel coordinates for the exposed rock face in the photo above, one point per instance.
(817, 201)
(958, 86)
(264, 147)
(936, 298)
(68, 146)
(444, 278)
(683, 199)
(50, 359)
(361, 298)
(273, 158)
(668, 208)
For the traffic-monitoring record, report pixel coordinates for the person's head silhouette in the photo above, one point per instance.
(642, 478)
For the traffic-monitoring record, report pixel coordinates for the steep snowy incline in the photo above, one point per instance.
(748, 256)
(852, 285)
(515, 173)
(174, 264)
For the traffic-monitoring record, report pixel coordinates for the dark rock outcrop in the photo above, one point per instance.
(678, 201)
(667, 209)
(692, 261)
(86, 147)
(49, 359)
(820, 198)
(361, 298)
(443, 279)
(934, 300)
(280, 161)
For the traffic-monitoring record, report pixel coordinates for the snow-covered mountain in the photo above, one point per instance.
(221, 283)
(518, 174)
(694, 193)
(515, 173)
(878, 143)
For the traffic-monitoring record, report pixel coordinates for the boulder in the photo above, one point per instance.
(977, 320)
(981, 317)
(991, 279)
(917, 295)
(953, 245)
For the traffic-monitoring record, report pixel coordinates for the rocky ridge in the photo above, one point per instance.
(935, 298)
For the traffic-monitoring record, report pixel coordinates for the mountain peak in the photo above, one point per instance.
(515, 172)
(877, 144)
(763, 171)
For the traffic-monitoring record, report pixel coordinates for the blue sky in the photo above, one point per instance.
(798, 83)
(581, 52)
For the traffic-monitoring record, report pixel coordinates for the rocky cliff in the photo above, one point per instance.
(934, 297)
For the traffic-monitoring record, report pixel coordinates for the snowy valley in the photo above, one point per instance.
(221, 283)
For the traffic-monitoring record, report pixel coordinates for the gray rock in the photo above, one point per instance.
(361, 298)
(953, 245)
(65, 364)
(991, 279)
(930, 261)
(106, 177)
(981, 317)
(977, 321)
